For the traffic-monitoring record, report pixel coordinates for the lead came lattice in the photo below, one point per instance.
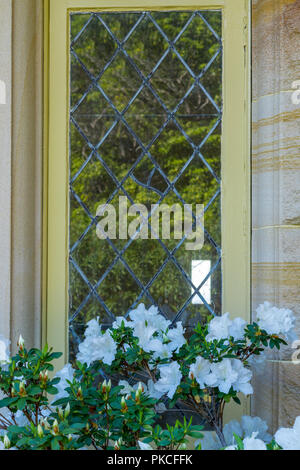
(145, 112)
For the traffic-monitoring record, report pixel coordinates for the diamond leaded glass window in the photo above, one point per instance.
(145, 128)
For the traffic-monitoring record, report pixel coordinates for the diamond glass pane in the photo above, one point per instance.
(145, 128)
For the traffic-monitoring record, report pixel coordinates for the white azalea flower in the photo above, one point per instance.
(150, 317)
(170, 378)
(4, 349)
(176, 337)
(210, 441)
(118, 323)
(144, 446)
(158, 344)
(231, 428)
(251, 424)
(159, 322)
(152, 392)
(225, 373)
(127, 388)
(145, 335)
(218, 328)
(289, 439)
(93, 328)
(141, 314)
(250, 443)
(202, 372)
(222, 327)
(253, 443)
(237, 329)
(276, 321)
(161, 351)
(66, 374)
(245, 429)
(97, 348)
(232, 373)
(242, 384)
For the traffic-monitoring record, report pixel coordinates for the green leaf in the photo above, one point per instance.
(21, 404)
(165, 442)
(55, 355)
(55, 444)
(197, 428)
(7, 402)
(239, 442)
(195, 434)
(35, 391)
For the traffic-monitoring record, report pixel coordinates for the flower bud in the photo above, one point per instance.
(22, 389)
(13, 392)
(79, 394)
(139, 392)
(67, 410)
(44, 376)
(70, 437)
(21, 343)
(6, 442)
(40, 431)
(109, 386)
(60, 413)
(182, 446)
(55, 428)
(124, 406)
(118, 444)
(104, 386)
(44, 423)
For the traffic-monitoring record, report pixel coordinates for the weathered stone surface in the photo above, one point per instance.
(5, 167)
(276, 194)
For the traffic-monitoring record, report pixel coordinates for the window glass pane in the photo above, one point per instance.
(145, 128)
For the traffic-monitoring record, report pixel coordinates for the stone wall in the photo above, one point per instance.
(276, 193)
(21, 158)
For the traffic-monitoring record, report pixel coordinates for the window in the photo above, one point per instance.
(148, 106)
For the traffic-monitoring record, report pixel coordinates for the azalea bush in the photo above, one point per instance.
(127, 376)
(83, 411)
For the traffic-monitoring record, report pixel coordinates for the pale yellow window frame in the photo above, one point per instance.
(235, 153)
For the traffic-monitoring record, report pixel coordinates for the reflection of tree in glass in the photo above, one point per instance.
(120, 150)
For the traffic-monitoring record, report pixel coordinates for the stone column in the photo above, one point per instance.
(21, 124)
(27, 164)
(276, 193)
(5, 165)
